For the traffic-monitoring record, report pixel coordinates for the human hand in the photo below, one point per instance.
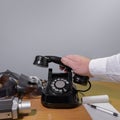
(79, 64)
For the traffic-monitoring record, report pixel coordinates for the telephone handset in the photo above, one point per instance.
(43, 61)
(59, 91)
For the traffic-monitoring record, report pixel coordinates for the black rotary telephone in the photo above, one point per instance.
(60, 92)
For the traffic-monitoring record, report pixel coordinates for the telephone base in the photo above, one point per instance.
(70, 101)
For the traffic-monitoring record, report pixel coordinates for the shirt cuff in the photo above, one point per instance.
(97, 67)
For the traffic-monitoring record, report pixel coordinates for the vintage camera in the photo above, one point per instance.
(11, 108)
(60, 90)
(19, 85)
(13, 87)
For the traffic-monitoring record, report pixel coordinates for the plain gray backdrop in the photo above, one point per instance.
(56, 27)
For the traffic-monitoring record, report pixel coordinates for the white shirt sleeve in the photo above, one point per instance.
(107, 68)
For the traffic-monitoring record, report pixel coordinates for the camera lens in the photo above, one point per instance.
(24, 107)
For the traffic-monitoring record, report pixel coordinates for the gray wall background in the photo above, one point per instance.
(56, 27)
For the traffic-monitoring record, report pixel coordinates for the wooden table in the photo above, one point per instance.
(98, 88)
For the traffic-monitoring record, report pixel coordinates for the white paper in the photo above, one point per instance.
(101, 101)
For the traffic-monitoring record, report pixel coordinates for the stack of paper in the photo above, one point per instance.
(101, 101)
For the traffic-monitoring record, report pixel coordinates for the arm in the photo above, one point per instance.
(108, 67)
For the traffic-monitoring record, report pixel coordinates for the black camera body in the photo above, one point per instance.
(60, 92)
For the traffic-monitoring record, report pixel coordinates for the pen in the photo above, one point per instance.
(104, 110)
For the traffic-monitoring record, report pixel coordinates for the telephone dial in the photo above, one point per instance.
(60, 90)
